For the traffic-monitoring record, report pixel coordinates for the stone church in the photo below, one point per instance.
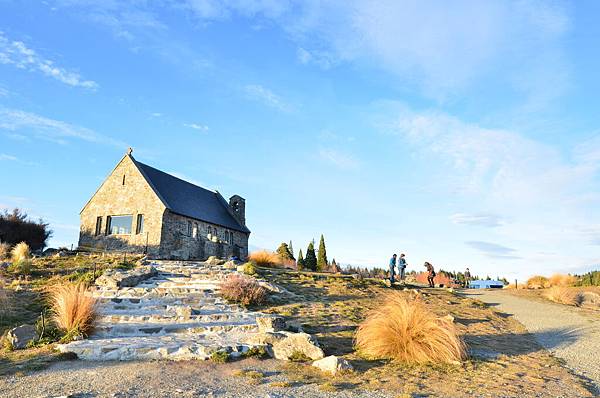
(140, 209)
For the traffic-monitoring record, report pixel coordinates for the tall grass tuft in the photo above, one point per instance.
(538, 282)
(562, 295)
(405, 330)
(20, 252)
(243, 290)
(265, 258)
(562, 280)
(73, 307)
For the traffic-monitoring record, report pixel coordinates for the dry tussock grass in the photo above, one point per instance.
(20, 252)
(562, 280)
(405, 330)
(73, 307)
(538, 282)
(244, 290)
(562, 295)
(265, 258)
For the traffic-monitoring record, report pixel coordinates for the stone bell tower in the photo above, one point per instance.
(237, 205)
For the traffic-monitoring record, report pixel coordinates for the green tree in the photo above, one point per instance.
(291, 250)
(335, 267)
(284, 252)
(310, 261)
(322, 256)
(300, 261)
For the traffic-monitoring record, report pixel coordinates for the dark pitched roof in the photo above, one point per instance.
(190, 200)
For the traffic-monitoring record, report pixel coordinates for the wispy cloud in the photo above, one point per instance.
(16, 53)
(41, 127)
(482, 220)
(196, 126)
(15, 159)
(187, 178)
(494, 250)
(262, 94)
(341, 160)
(156, 114)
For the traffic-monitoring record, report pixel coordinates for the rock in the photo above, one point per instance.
(213, 260)
(20, 336)
(184, 312)
(270, 324)
(297, 343)
(265, 338)
(270, 287)
(125, 278)
(333, 364)
(230, 264)
(588, 299)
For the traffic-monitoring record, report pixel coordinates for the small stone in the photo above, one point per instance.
(332, 364)
(20, 336)
(270, 324)
(184, 312)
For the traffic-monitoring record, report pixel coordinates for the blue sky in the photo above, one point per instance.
(463, 134)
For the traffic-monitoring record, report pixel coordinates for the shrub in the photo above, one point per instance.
(562, 295)
(73, 307)
(265, 258)
(219, 357)
(243, 290)
(562, 280)
(537, 282)
(405, 330)
(22, 267)
(20, 252)
(249, 268)
(4, 250)
(16, 227)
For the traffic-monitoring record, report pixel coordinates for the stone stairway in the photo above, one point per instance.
(175, 314)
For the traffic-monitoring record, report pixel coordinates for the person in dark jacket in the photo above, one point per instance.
(402, 267)
(467, 278)
(392, 268)
(430, 274)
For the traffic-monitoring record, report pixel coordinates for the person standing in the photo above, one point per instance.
(467, 277)
(392, 269)
(402, 267)
(430, 274)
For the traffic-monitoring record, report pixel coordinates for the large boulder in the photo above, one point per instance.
(270, 323)
(297, 343)
(588, 299)
(214, 260)
(265, 338)
(20, 336)
(333, 364)
(115, 278)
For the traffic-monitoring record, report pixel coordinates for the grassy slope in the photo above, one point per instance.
(508, 360)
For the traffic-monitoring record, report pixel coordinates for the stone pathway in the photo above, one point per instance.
(561, 329)
(176, 314)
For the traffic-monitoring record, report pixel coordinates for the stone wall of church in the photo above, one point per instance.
(125, 192)
(185, 238)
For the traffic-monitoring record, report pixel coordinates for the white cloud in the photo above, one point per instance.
(156, 114)
(4, 92)
(267, 97)
(37, 126)
(494, 250)
(4, 156)
(196, 126)
(16, 53)
(483, 220)
(339, 159)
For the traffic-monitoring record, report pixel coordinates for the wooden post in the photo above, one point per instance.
(516, 285)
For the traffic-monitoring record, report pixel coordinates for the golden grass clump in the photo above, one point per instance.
(562, 295)
(20, 252)
(562, 280)
(243, 290)
(264, 258)
(537, 282)
(73, 307)
(405, 330)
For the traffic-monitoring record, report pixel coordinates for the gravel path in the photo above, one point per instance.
(564, 331)
(162, 379)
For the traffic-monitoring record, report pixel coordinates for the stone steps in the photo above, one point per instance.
(170, 347)
(174, 314)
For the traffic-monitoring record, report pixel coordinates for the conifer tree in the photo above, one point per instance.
(300, 261)
(322, 257)
(284, 252)
(291, 250)
(310, 262)
(334, 267)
